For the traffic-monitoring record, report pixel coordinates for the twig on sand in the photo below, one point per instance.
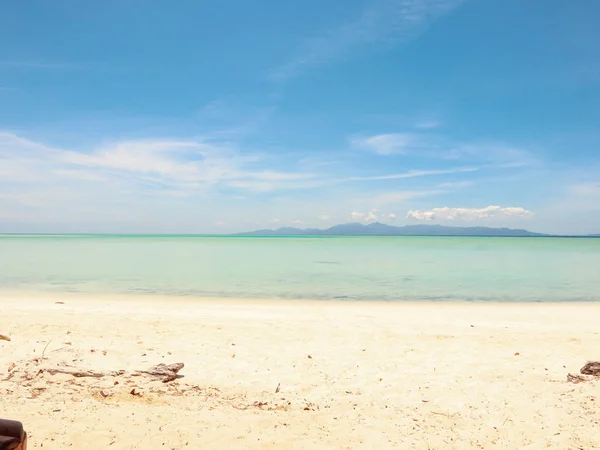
(81, 373)
(166, 372)
(4, 337)
(448, 415)
(44, 351)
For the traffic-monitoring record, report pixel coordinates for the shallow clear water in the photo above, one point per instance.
(366, 268)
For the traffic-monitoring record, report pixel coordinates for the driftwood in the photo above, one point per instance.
(588, 372)
(591, 368)
(80, 373)
(574, 378)
(4, 338)
(166, 372)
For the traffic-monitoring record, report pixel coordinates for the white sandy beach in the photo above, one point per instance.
(350, 375)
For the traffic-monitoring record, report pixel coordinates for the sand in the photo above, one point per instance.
(279, 374)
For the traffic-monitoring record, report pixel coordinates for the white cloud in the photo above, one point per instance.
(468, 214)
(492, 152)
(433, 145)
(364, 216)
(414, 174)
(421, 215)
(386, 144)
(392, 216)
(456, 184)
(381, 23)
(176, 165)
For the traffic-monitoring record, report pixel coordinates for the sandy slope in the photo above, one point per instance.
(351, 375)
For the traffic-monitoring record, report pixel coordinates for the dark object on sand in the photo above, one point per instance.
(167, 373)
(591, 371)
(12, 435)
(591, 368)
(574, 378)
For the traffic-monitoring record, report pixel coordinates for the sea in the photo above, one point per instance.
(478, 269)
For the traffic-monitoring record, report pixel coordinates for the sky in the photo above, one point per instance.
(201, 116)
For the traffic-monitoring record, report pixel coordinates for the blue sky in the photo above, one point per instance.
(198, 116)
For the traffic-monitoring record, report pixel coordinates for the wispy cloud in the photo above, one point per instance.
(164, 180)
(180, 165)
(177, 165)
(415, 173)
(468, 214)
(434, 145)
(456, 184)
(387, 144)
(380, 23)
(495, 152)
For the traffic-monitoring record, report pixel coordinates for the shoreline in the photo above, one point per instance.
(199, 299)
(306, 374)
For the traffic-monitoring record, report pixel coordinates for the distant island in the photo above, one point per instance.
(381, 229)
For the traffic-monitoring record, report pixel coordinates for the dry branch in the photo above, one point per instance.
(574, 378)
(591, 368)
(166, 372)
(80, 373)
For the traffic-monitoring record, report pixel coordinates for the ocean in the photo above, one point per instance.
(330, 268)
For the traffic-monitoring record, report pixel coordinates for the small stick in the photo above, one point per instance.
(44, 351)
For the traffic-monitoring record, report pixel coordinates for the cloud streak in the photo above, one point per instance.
(414, 174)
(179, 165)
(468, 214)
(168, 164)
(432, 145)
(380, 23)
(387, 144)
(165, 180)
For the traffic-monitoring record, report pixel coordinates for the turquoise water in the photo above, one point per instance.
(363, 268)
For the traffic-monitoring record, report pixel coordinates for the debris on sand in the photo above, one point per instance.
(591, 368)
(574, 378)
(589, 371)
(166, 372)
